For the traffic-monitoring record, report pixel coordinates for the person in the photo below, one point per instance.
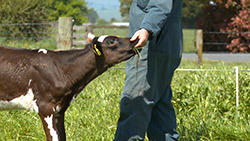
(145, 105)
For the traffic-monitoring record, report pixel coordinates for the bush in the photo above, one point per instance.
(69, 8)
(14, 13)
(240, 29)
(230, 17)
(213, 19)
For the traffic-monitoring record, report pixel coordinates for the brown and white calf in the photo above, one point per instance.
(47, 81)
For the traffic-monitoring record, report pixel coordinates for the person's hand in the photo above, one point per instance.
(142, 35)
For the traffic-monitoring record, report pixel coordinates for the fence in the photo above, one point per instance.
(29, 34)
(80, 32)
(201, 42)
(234, 70)
(69, 35)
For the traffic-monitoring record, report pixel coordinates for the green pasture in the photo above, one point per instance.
(204, 103)
(50, 43)
(188, 36)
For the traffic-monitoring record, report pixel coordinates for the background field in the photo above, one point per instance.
(50, 43)
(204, 104)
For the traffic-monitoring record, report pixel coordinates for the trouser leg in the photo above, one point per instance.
(162, 125)
(143, 90)
(134, 118)
(134, 112)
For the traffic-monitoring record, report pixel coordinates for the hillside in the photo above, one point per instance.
(106, 9)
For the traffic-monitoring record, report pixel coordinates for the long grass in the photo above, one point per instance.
(50, 43)
(204, 103)
(188, 36)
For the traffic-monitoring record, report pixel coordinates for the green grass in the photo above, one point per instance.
(50, 43)
(188, 36)
(188, 41)
(204, 103)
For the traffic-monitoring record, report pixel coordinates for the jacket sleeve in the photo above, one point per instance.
(156, 17)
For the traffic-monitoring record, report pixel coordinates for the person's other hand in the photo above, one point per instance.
(142, 35)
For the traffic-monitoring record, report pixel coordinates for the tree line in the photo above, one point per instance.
(36, 11)
(232, 16)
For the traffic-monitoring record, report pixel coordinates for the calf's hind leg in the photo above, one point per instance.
(60, 126)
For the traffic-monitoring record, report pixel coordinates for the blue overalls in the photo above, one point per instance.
(146, 99)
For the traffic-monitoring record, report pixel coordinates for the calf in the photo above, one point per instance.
(48, 81)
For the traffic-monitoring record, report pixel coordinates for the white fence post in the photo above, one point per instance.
(236, 70)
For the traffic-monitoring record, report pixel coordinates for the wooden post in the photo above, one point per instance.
(64, 41)
(102, 30)
(115, 31)
(199, 44)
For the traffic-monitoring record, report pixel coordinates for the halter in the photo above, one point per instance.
(94, 47)
(96, 50)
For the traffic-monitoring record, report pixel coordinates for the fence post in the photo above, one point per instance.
(236, 70)
(65, 26)
(199, 44)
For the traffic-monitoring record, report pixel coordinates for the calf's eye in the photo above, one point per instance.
(111, 42)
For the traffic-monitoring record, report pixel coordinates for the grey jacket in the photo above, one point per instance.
(162, 18)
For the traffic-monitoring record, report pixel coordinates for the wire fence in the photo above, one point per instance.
(53, 32)
(29, 31)
(221, 38)
(235, 70)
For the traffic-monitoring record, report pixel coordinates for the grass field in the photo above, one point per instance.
(50, 43)
(204, 104)
(188, 37)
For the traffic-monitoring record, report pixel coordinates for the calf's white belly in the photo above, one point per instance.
(24, 102)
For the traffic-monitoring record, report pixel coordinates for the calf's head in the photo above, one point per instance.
(113, 49)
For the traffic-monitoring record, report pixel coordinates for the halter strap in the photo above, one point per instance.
(96, 50)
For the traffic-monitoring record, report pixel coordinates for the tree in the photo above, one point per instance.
(239, 28)
(101, 22)
(228, 16)
(69, 8)
(92, 15)
(124, 8)
(191, 11)
(14, 13)
(112, 20)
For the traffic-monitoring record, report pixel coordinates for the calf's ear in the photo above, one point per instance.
(90, 37)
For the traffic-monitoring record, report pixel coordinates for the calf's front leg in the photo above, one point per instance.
(49, 126)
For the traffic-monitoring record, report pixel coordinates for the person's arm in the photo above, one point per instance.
(154, 20)
(158, 13)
